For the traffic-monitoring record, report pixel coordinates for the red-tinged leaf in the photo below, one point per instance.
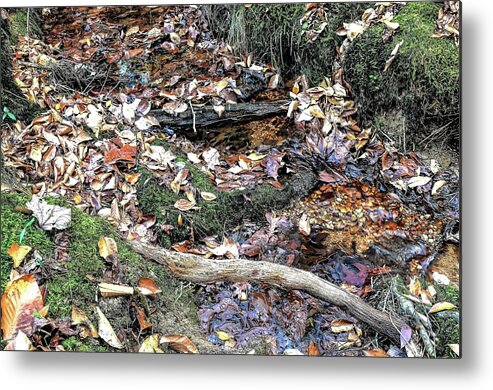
(20, 300)
(179, 343)
(141, 318)
(132, 53)
(115, 57)
(148, 286)
(331, 177)
(126, 153)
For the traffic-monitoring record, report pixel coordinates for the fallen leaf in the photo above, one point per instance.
(222, 335)
(87, 329)
(49, 216)
(406, 334)
(179, 343)
(147, 286)
(20, 343)
(126, 153)
(106, 331)
(313, 349)
(132, 30)
(304, 225)
(184, 205)
(151, 345)
(441, 306)
(436, 186)
(418, 181)
(20, 300)
(455, 348)
(207, 196)
(341, 325)
(141, 318)
(193, 158)
(107, 246)
(18, 253)
(292, 352)
(377, 352)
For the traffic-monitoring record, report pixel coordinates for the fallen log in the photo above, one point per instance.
(234, 113)
(197, 269)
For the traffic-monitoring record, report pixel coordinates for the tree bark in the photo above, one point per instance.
(234, 113)
(200, 270)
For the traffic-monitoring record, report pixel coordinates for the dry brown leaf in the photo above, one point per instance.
(179, 343)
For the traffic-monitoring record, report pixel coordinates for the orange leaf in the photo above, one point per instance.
(313, 349)
(377, 352)
(148, 286)
(126, 153)
(20, 300)
(143, 323)
(179, 343)
(18, 253)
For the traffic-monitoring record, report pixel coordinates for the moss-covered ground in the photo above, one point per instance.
(421, 85)
(227, 211)
(75, 282)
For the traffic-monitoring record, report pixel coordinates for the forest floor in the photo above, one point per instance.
(307, 189)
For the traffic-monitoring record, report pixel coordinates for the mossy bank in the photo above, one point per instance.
(75, 282)
(417, 99)
(228, 211)
(274, 34)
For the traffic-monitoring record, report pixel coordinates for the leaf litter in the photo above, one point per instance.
(90, 142)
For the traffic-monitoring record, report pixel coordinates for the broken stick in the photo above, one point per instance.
(200, 270)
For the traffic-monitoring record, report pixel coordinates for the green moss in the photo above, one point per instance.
(446, 328)
(74, 344)
(12, 222)
(422, 82)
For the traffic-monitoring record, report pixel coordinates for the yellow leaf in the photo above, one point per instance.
(107, 247)
(222, 335)
(440, 306)
(256, 157)
(132, 30)
(18, 253)
(151, 345)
